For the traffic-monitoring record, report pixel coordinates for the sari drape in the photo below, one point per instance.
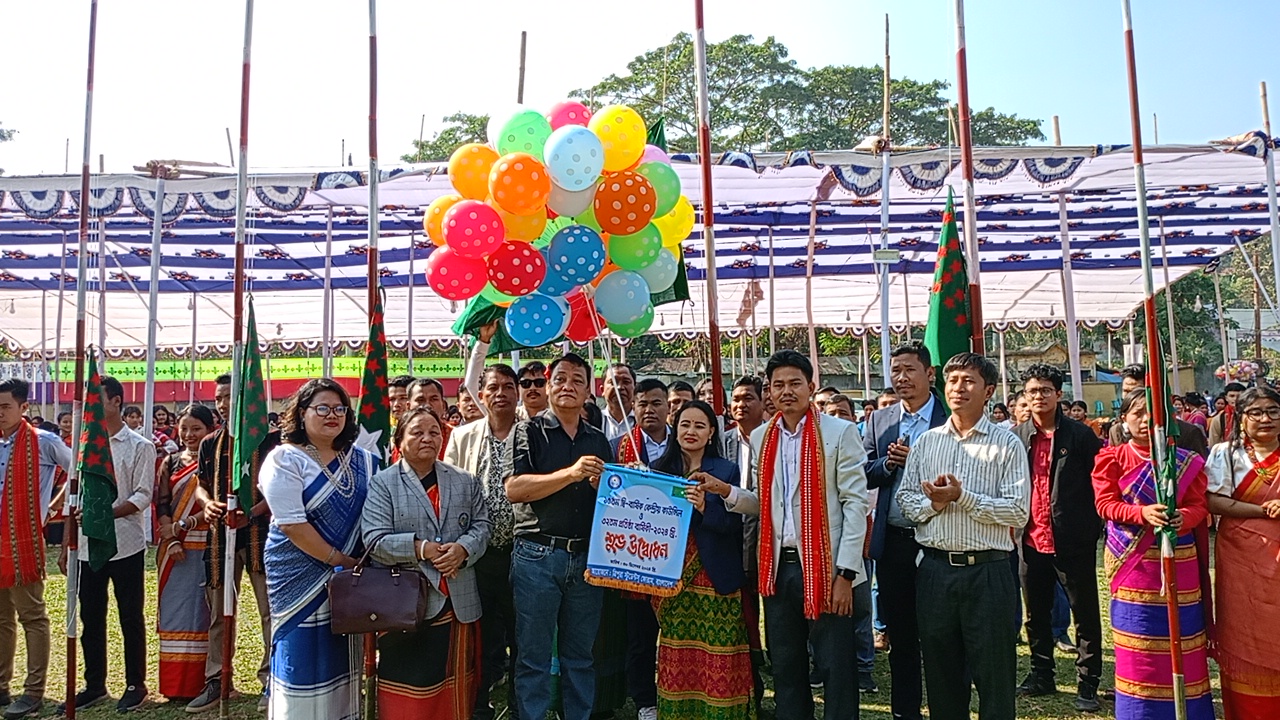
(1247, 601)
(183, 614)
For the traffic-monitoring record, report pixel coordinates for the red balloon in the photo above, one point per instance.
(472, 229)
(453, 276)
(584, 322)
(515, 268)
(569, 112)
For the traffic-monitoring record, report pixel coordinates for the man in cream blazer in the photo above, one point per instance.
(789, 631)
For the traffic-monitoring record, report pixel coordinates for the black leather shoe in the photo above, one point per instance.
(85, 699)
(1035, 685)
(23, 706)
(1087, 698)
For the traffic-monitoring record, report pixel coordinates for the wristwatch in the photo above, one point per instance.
(849, 575)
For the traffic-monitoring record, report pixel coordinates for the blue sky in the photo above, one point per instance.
(168, 72)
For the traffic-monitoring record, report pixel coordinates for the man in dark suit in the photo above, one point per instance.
(893, 544)
(1060, 540)
(1190, 437)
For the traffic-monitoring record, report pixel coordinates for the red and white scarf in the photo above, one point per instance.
(22, 543)
(630, 447)
(816, 562)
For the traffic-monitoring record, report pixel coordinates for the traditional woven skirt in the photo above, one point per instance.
(183, 624)
(314, 673)
(433, 672)
(704, 656)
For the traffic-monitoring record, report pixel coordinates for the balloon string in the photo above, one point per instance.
(588, 292)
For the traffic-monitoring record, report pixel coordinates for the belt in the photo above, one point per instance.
(900, 531)
(789, 555)
(967, 558)
(572, 545)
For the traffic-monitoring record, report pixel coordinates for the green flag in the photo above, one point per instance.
(1166, 473)
(251, 425)
(949, 331)
(97, 474)
(375, 403)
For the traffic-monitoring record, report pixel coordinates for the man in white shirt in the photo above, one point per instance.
(966, 488)
(619, 394)
(134, 460)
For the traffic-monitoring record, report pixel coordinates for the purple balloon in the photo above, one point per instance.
(653, 153)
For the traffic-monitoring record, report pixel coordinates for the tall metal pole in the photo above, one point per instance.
(970, 209)
(57, 341)
(238, 285)
(1068, 289)
(326, 332)
(708, 206)
(191, 387)
(370, 639)
(1222, 314)
(1004, 368)
(102, 294)
(524, 41)
(1272, 205)
(71, 532)
(882, 266)
(773, 327)
(1155, 377)
(413, 252)
(153, 304)
(808, 293)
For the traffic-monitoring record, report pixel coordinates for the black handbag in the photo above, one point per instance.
(366, 599)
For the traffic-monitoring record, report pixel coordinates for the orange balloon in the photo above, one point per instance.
(520, 184)
(469, 170)
(434, 216)
(522, 228)
(625, 203)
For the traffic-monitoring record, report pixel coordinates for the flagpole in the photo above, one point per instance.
(326, 332)
(883, 267)
(370, 639)
(71, 532)
(242, 199)
(1272, 206)
(708, 206)
(153, 299)
(1155, 378)
(970, 209)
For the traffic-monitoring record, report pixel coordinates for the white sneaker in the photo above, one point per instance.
(649, 713)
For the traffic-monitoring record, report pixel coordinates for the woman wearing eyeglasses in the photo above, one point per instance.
(315, 484)
(1244, 491)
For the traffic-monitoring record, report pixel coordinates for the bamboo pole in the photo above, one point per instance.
(1157, 396)
(708, 206)
(970, 209)
(71, 531)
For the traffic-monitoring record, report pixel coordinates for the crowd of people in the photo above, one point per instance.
(930, 527)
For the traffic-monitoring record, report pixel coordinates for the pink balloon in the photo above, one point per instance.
(473, 229)
(653, 153)
(453, 276)
(515, 268)
(569, 112)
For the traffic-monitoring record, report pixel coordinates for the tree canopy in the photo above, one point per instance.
(762, 100)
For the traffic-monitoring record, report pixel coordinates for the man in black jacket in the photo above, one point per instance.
(1060, 542)
(893, 544)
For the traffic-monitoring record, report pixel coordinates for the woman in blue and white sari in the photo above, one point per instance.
(315, 483)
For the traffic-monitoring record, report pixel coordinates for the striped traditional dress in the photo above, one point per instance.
(183, 613)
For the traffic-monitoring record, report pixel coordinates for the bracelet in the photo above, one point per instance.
(329, 558)
(182, 524)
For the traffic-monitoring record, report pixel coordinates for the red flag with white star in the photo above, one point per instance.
(375, 402)
(97, 473)
(949, 331)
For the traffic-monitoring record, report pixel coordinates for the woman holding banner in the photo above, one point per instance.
(704, 660)
(1125, 488)
(1244, 490)
(183, 622)
(315, 483)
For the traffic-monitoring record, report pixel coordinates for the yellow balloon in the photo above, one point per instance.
(434, 216)
(676, 225)
(469, 168)
(622, 133)
(525, 228)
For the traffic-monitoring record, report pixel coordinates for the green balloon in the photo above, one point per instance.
(527, 132)
(666, 185)
(553, 226)
(588, 218)
(637, 327)
(496, 296)
(638, 251)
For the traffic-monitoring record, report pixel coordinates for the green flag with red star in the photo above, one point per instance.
(251, 425)
(375, 403)
(97, 474)
(949, 331)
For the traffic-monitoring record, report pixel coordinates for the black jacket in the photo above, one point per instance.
(881, 429)
(1076, 525)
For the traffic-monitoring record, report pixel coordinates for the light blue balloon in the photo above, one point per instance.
(575, 257)
(574, 157)
(535, 320)
(661, 273)
(622, 297)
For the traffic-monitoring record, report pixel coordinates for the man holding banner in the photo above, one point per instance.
(812, 504)
(556, 466)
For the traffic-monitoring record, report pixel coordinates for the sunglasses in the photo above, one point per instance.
(533, 382)
(324, 410)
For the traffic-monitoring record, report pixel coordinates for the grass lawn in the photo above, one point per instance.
(875, 706)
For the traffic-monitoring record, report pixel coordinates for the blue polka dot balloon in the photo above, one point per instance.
(575, 257)
(622, 297)
(535, 320)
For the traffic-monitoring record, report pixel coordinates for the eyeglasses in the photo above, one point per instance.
(1040, 391)
(533, 382)
(324, 410)
(1271, 413)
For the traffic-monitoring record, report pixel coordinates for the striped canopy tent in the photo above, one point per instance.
(773, 211)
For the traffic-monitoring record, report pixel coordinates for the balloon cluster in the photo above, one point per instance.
(553, 205)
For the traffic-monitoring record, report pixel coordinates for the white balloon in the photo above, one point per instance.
(661, 273)
(567, 203)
